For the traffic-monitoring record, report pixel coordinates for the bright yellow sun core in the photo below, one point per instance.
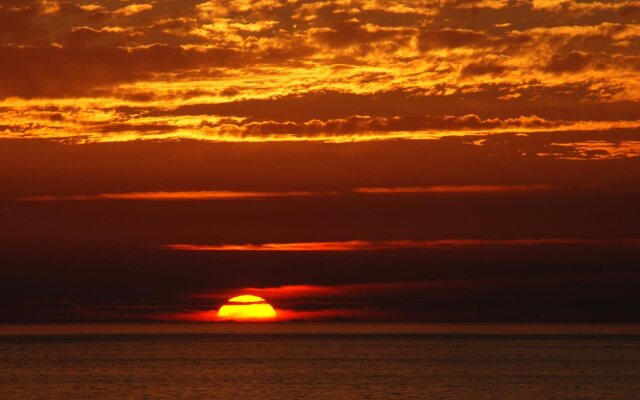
(246, 308)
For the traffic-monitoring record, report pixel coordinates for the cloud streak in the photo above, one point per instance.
(169, 196)
(453, 189)
(367, 245)
(438, 299)
(236, 194)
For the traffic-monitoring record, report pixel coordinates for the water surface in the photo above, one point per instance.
(326, 363)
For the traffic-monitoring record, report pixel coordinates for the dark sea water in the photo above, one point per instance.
(322, 363)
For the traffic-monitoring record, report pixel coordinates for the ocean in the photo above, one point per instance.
(321, 361)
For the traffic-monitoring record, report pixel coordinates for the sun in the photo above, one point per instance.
(246, 308)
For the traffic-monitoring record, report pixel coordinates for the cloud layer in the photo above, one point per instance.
(331, 71)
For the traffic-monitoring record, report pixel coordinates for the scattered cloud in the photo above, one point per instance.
(594, 150)
(401, 60)
(448, 38)
(133, 9)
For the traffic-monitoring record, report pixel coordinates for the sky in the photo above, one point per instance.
(381, 160)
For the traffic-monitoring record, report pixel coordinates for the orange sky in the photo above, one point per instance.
(409, 140)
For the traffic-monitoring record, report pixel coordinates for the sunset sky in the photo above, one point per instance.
(388, 160)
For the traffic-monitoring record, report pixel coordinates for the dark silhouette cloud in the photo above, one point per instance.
(572, 62)
(63, 71)
(431, 39)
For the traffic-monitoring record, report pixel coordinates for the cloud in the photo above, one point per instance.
(83, 35)
(91, 7)
(447, 38)
(572, 62)
(480, 4)
(453, 189)
(551, 102)
(472, 299)
(217, 8)
(364, 245)
(363, 124)
(35, 71)
(581, 8)
(346, 33)
(593, 150)
(168, 196)
(133, 9)
(229, 194)
(484, 68)
(322, 61)
(145, 121)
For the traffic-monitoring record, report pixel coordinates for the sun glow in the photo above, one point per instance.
(246, 308)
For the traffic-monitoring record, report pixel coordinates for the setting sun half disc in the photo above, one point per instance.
(246, 308)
